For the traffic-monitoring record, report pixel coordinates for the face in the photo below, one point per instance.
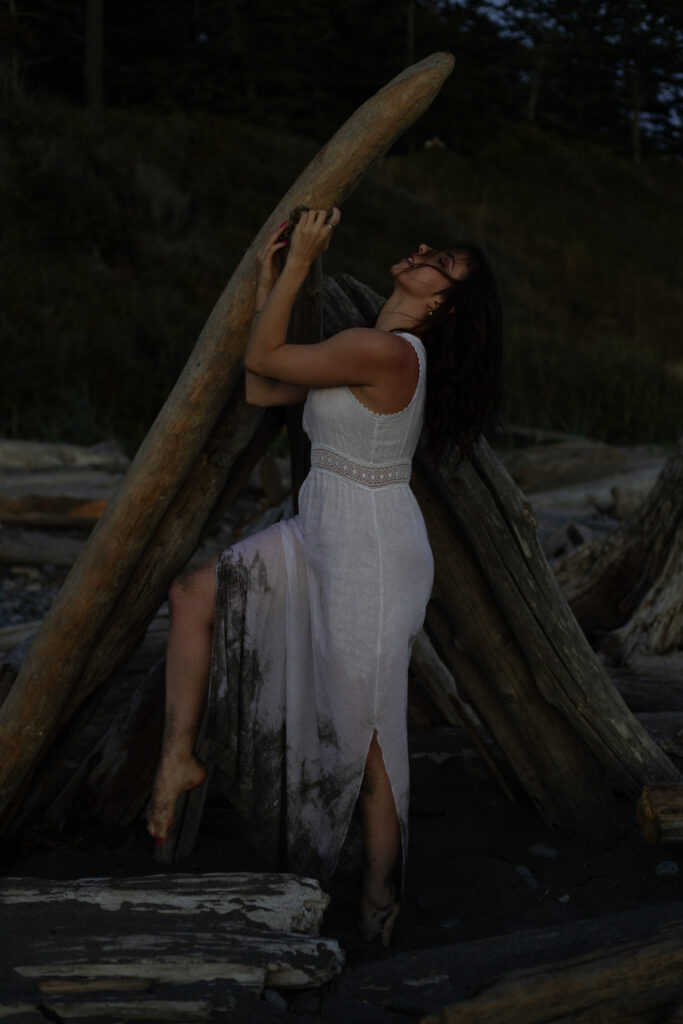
(427, 272)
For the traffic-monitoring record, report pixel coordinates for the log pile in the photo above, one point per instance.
(498, 637)
(164, 947)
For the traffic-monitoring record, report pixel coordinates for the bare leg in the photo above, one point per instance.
(192, 601)
(382, 839)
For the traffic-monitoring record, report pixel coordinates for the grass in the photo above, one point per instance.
(119, 234)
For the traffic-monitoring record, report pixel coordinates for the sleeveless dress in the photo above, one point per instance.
(315, 620)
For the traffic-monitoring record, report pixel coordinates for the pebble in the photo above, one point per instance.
(275, 999)
(527, 875)
(667, 867)
(539, 850)
(26, 592)
(563, 899)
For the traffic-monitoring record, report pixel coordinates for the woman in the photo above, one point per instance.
(302, 633)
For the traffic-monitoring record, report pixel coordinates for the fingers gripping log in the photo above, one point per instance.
(213, 371)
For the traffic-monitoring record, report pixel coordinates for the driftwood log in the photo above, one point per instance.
(164, 947)
(634, 983)
(626, 589)
(660, 814)
(138, 532)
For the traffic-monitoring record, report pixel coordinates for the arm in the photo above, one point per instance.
(359, 356)
(265, 391)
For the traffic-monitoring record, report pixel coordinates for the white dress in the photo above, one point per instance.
(315, 620)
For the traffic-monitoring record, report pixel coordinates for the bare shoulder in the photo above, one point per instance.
(387, 347)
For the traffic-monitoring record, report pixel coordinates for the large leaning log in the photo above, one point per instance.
(71, 633)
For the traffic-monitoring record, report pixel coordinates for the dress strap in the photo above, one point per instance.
(417, 345)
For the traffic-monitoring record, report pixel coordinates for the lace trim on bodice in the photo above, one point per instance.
(366, 474)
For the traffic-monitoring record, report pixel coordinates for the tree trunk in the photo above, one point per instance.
(49, 684)
(628, 584)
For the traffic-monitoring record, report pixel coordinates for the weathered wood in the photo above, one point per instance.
(125, 533)
(500, 528)
(57, 512)
(660, 813)
(171, 1011)
(129, 944)
(609, 986)
(281, 902)
(648, 693)
(113, 783)
(41, 455)
(605, 581)
(255, 958)
(553, 763)
(227, 460)
(441, 688)
(656, 627)
(30, 547)
(544, 466)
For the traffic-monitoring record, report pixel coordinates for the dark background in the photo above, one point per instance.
(144, 143)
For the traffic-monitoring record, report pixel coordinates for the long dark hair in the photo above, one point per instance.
(463, 339)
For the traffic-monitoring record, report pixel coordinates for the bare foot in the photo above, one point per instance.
(173, 778)
(379, 910)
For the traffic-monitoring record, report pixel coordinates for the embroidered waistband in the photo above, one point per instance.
(361, 472)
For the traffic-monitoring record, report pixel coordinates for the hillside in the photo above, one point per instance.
(119, 234)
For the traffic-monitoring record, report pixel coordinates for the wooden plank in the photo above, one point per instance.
(283, 901)
(248, 957)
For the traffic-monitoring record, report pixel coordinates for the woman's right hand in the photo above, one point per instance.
(311, 236)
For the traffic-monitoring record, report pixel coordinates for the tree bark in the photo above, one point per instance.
(51, 674)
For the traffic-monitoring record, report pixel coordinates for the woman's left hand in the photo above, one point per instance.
(267, 270)
(311, 237)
